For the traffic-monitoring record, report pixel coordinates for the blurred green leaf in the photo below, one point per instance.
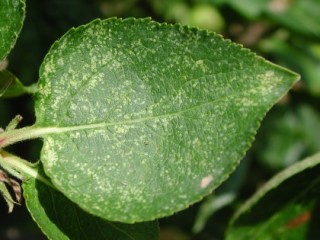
(201, 15)
(248, 8)
(205, 16)
(11, 15)
(301, 16)
(286, 207)
(287, 135)
(10, 86)
(60, 219)
(173, 11)
(210, 205)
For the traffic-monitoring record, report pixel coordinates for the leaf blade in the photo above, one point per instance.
(59, 218)
(12, 16)
(149, 101)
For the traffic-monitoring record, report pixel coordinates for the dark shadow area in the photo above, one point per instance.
(18, 225)
(314, 224)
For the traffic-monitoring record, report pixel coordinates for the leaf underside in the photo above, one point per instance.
(59, 218)
(147, 118)
(11, 15)
(286, 207)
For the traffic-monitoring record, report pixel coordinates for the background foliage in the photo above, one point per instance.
(286, 32)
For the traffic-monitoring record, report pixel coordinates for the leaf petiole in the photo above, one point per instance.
(21, 168)
(12, 136)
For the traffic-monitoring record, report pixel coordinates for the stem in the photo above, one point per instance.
(16, 135)
(31, 89)
(22, 166)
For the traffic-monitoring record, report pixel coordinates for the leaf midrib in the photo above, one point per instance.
(38, 131)
(101, 125)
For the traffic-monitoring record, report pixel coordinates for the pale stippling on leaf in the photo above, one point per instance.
(109, 87)
(61, 219)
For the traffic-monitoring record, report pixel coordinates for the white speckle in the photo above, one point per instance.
(60, 62)
(121, 129)
(269, 74)
(206, 181)
(51, 156)
(200, 64)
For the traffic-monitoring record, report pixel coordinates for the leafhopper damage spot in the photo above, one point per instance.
(206, 181)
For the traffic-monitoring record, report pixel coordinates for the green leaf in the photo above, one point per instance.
(286, 207)
(289, 12)
(287, 135)
(10, 86)
(250, 9)
(12, 16)
(60, 219)
(141, 119)
(298, 16)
